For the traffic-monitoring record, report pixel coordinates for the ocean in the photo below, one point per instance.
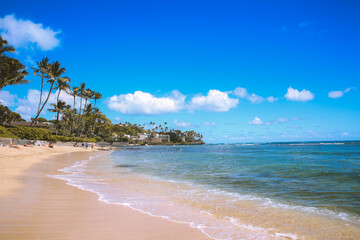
(235, 191)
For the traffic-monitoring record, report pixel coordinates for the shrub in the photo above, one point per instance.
(44, 134)
(60, 138)
(4, 133)
(31, 133)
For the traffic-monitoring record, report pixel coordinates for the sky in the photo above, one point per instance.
(235, 71)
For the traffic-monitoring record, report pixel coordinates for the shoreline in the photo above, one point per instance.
(15, 162)
(36, 206)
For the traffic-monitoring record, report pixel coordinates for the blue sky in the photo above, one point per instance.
(203, 65)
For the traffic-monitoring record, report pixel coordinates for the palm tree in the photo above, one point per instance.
(5, 47)
(12, 71)
(54, 72)
(74, 93)
(88, 94)
(41, 71)
(81, 95)
(66, 119)
(97, 96)
(62, 85)
(58, 108)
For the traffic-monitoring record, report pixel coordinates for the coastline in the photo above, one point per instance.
(15, 162)
(35, 206)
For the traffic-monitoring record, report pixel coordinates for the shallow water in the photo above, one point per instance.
(260, 191)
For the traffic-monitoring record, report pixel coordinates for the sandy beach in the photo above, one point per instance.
(35, 206)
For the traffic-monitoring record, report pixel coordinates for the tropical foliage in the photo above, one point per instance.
(7, 116)
(12, 71)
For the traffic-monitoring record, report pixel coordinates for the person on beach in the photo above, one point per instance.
(51, 145)
(86, 145)
(76, 145)
(11, 145)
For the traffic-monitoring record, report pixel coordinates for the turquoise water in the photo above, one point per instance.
(317, 175)
(239, 191)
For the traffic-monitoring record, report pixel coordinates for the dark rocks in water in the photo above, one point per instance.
(126, 165)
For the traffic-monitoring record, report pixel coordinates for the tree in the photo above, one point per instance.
(81, 95)
(57, 108)
(41, 71)
(12, 71)
(62, 85)
(97, 96)
(74, 93)
(7, 116)
(54, 72)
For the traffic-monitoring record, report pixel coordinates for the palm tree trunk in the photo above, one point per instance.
(83, 127)
(42, 83)
(57, 122)
(47, 99)
(78, 123)
(93, 128)
(72, 118)
(58, 113)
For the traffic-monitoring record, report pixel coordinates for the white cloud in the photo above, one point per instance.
(21, 33)
(214, 101)
(303, 96)
(256, 121)
(28, 105)
(271, 99)
(181, 124)
(145, 103)
(209, 124)
(345, 134)
(253, 98)
(240, 92)
(118, 119)
(338, 94)
(7, 99)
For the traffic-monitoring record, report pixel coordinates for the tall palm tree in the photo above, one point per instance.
(41, 71)
(97, 96)
(62, 84)
(88, 94)
(58, 108)
(81, 95)
(54, 72)
(12, 71)
(74, 94)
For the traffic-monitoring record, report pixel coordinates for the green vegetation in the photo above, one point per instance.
(7, 116)
(4, 133)
(72, 123)
(12, 71)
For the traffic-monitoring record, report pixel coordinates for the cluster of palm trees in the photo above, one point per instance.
(73, 122)
(159, 127)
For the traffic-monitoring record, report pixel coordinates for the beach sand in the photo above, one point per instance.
(35, 206)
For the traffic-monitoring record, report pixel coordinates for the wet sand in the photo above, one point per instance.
(36, 206)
